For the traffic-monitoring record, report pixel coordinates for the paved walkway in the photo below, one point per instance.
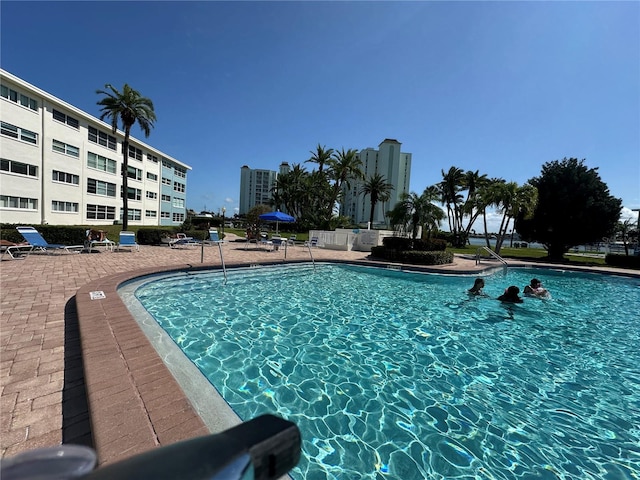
(60, 351)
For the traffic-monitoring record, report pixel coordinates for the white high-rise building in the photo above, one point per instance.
(62, 166)
(255, 187)
(394, 166)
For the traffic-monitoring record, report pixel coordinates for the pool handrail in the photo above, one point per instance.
(493, 254)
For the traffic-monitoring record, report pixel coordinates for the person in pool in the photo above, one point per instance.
(478, 285)
(535, 289)
(510, 295)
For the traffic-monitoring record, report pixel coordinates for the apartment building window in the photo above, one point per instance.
(152, 195)
(151, 213)
(64, 177)
(133, 214)
(101, 138)
(65, 148)
(66, 119)
(134, 193)
(18, 168)
(178, 217)
(23, 203)
(152, 158)
(180, 172)
(166, 198)
(165, 214)
(101, 188)
(101, 212)
(133, 172)
(61, 206)
(135, 153)
(178, 202)
(167, 164)
(18, 98)
(152, 176)
(166, 181)
(101, 163)
(178, 187)
(18, 133)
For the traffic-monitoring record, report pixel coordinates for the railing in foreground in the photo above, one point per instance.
(493, 254)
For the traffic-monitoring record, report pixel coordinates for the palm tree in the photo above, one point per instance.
(378, 189)
(450, 187)
(321, 156)
(129, 107)
(512, 201)
(344, 167)
(415, 211)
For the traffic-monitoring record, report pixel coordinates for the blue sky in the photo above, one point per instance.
(502, 87)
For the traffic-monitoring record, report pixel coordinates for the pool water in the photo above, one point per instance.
(391, 374)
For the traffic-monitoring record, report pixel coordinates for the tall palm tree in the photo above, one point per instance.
(473, 205)
(129, 107)
(451, 187)
(344, 167)
(321, 156)
(512, 200)
(379, 190)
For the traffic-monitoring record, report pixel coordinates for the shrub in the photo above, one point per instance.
(397, 243)
(622, 261)
(432, 245)
(427, 258)
(152, 236)
(64, 235)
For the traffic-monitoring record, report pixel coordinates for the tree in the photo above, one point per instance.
(414, 211)
(344, 167)
(378, 189)
(129, 107)
(321, 156)
(574, 208)
(512, 201)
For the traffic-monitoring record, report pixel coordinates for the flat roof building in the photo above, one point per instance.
(394, 166)
(61, 166)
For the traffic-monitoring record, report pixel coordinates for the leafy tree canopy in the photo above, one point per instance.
(574, 207)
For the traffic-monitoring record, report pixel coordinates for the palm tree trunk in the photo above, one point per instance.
(125, 179)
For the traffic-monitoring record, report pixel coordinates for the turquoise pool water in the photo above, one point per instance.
(401, 375)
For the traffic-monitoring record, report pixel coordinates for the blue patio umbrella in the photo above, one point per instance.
(277, 217)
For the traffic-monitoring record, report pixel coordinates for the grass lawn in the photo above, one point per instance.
(533, 255)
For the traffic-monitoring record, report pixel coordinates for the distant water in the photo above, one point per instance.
(481, 242)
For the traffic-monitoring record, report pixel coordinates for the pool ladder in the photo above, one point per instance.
(493, 254)
(224, 267)
(311, 255)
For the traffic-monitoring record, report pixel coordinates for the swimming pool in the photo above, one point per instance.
(402, 375)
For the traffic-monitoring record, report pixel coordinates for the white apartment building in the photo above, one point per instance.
(256, 186)
(394, 166)
(62, 166)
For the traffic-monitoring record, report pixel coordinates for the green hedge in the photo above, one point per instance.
(426, 258)
(416, 257)
(622, 261)
(64, 235)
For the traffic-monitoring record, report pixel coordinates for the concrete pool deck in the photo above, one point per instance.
(77, 370)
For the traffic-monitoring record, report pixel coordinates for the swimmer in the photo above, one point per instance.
(510, 295)
(535, 289)
(478, 285)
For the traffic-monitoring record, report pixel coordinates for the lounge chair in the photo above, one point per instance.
(38, 243)
(128, 239)
(182, 240)
(265, 242)
(214, 238)
(311, 243)
(15, 251)
(292, 240)
(96, 238)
